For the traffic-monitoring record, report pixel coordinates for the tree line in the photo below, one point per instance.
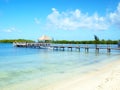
(15, 40)
(64, 41)
(85, 42)
(95, 41)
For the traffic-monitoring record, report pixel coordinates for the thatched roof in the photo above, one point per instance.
(44, 37)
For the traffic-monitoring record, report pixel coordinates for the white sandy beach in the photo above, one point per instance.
(106, 78)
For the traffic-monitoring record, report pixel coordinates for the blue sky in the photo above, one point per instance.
(60, 19)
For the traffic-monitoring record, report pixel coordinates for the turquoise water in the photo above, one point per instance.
(19, 65)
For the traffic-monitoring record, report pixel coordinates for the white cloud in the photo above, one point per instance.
(115, 16)
(37, 21)
(8, 30)
(11, 30)
(73, 20)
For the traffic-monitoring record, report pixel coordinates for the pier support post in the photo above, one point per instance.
(78, 48)
(108, 50)
(26, 44)
(63, 48)
(71, 48)
(97, 49)
(86, 49)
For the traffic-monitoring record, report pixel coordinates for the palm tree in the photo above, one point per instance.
(96, 40)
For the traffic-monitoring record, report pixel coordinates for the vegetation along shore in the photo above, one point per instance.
(63, 41)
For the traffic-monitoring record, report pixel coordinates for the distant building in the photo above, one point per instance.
(44, 38)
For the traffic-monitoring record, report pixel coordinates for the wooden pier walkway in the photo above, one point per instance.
(86, 48)
(63, 47)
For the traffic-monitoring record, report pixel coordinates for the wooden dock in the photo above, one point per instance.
(63, 47)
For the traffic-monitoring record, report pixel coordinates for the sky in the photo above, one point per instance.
(60, 19)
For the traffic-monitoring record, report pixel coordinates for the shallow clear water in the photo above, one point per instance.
(18, 65)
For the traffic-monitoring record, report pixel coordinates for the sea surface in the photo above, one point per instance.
(20, 65)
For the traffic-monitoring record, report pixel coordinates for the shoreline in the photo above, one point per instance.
(105, 78)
